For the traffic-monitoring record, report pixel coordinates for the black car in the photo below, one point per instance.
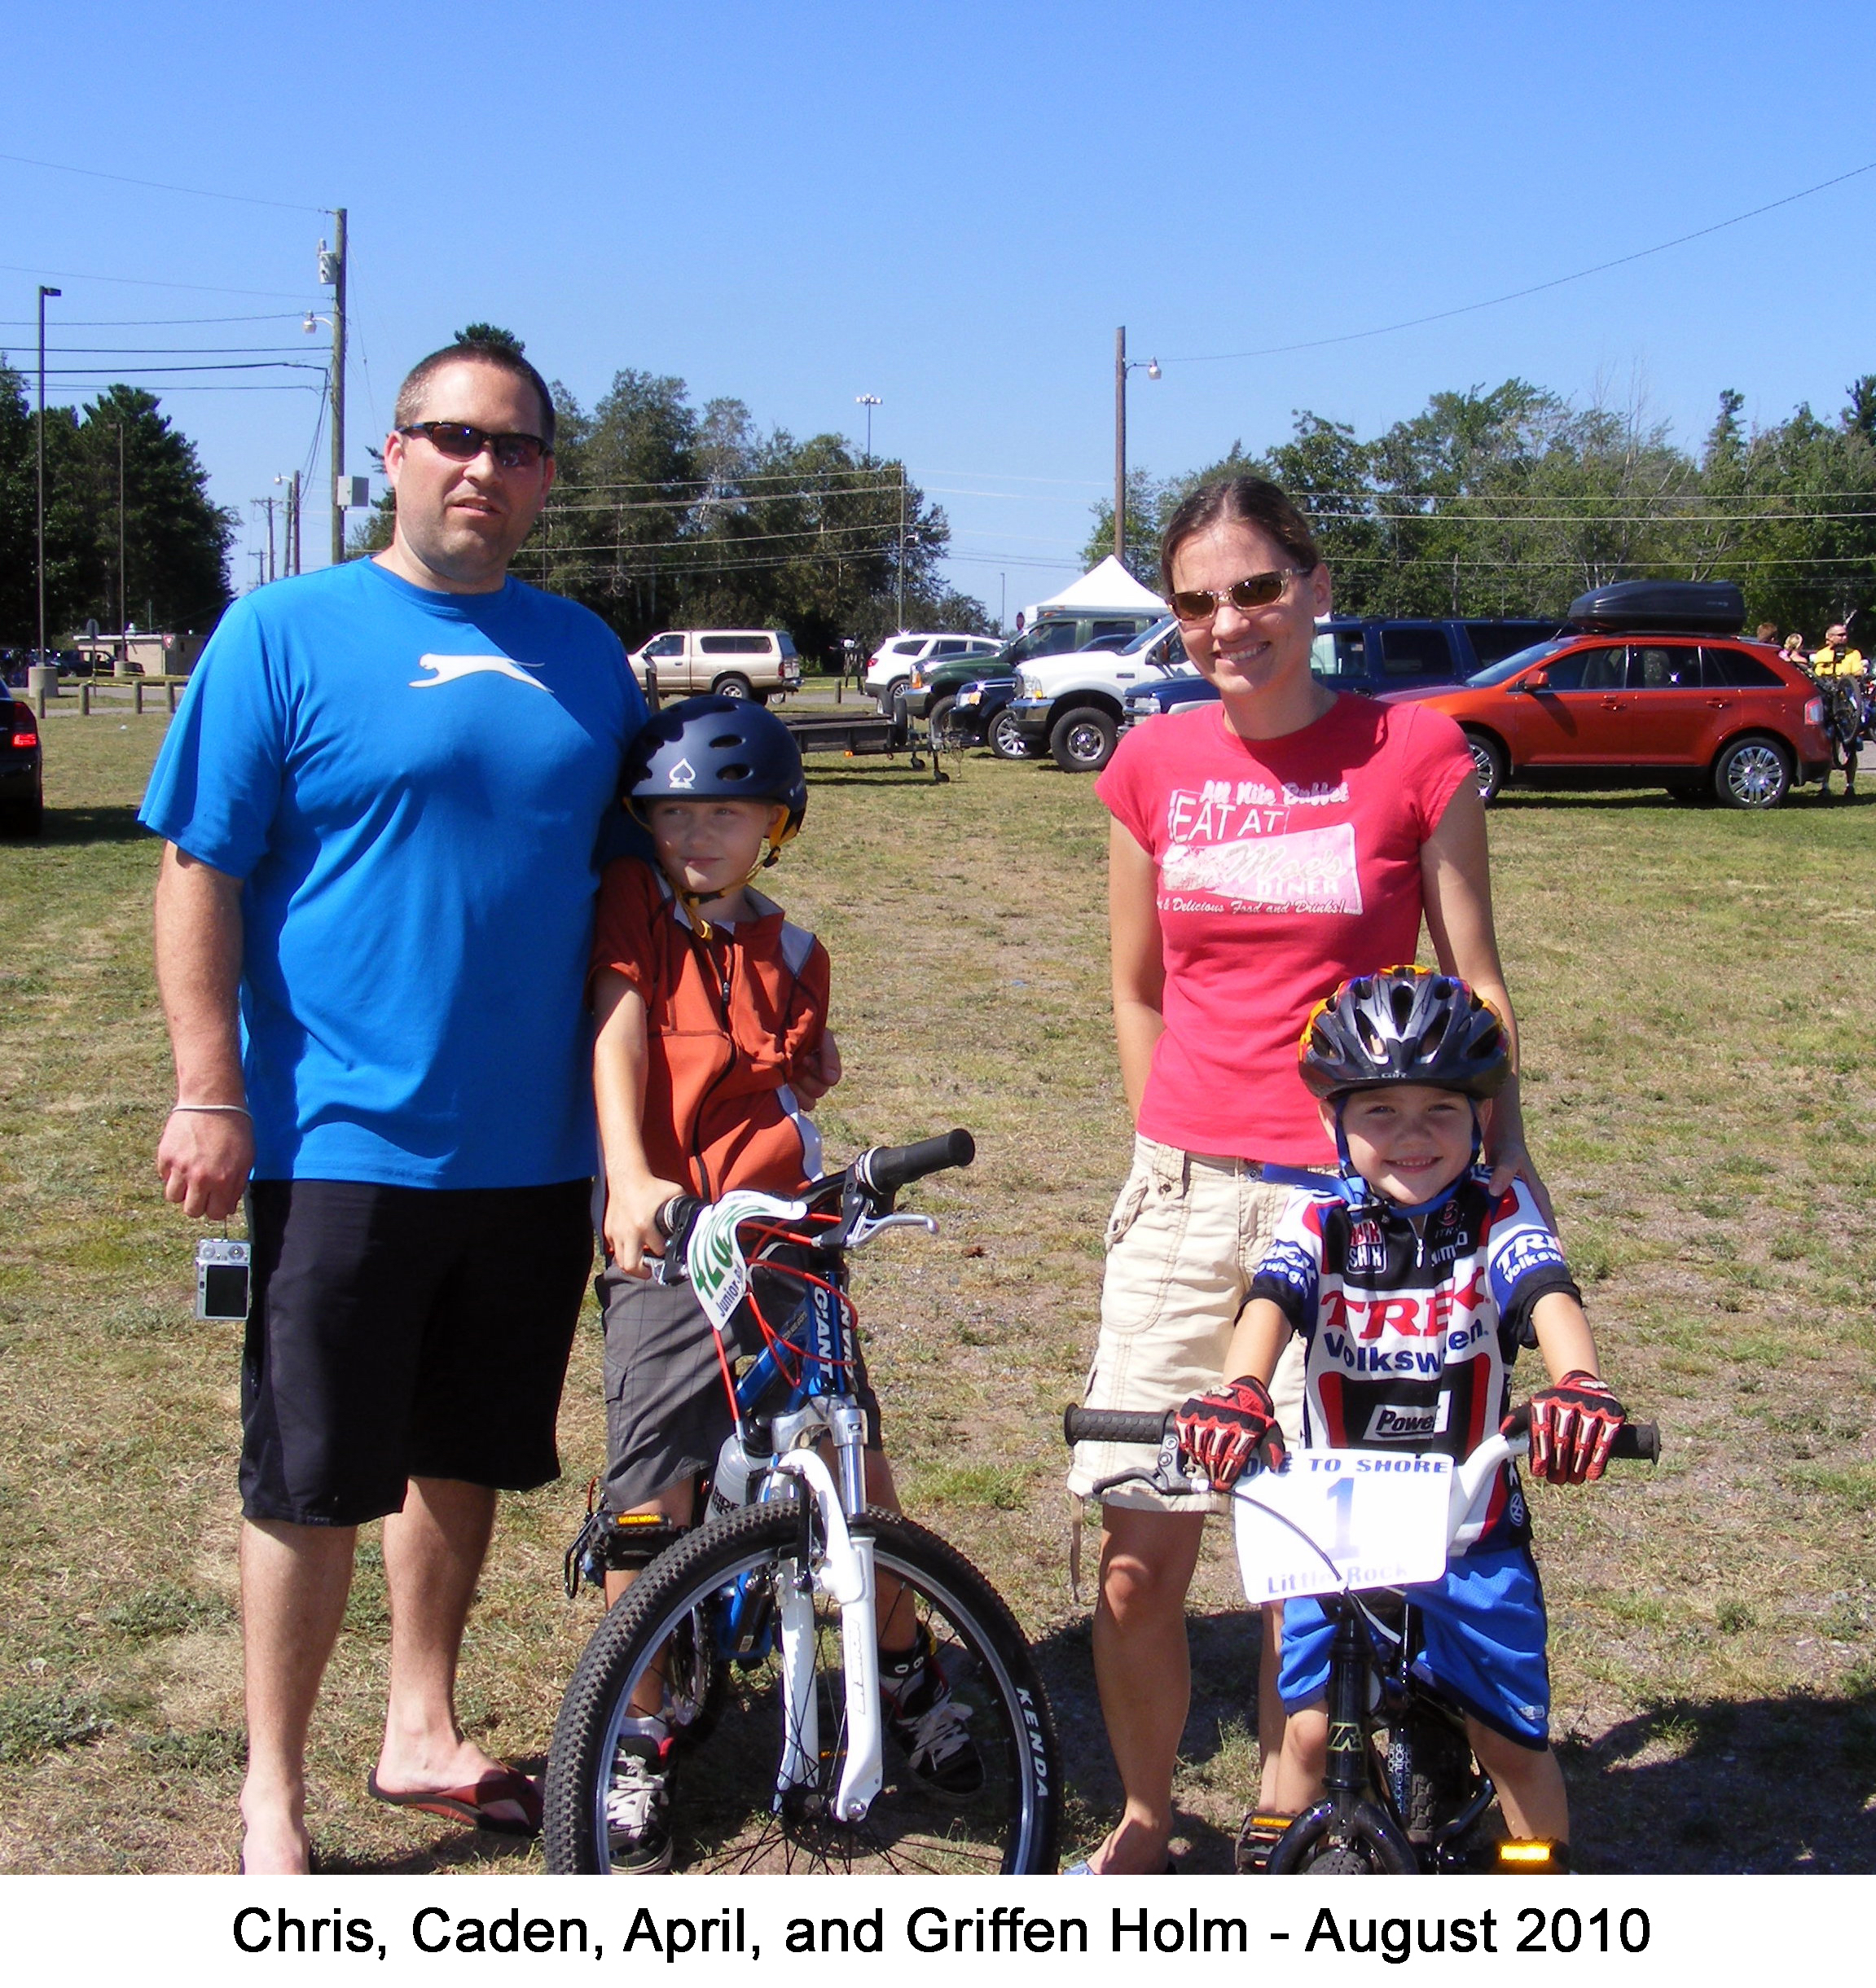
(980, 716)
(22, 771)
(1373, 655)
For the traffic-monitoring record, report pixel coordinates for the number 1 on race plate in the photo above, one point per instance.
(1335, 1519)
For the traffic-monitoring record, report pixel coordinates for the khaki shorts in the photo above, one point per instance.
(1185, 1239)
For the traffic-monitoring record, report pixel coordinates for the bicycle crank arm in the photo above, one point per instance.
(844, 1574)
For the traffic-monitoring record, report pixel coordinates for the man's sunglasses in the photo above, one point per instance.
(1198, 603)
(461, 443)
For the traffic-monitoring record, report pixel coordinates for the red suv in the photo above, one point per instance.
(1610, 705)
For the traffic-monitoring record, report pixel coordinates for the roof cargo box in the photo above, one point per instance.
(1690, 607)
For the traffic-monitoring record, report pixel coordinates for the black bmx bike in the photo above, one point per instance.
(1402, 1794)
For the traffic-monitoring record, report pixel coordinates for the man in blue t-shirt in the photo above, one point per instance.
(383, 798)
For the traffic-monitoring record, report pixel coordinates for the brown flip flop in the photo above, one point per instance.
(472, 1804)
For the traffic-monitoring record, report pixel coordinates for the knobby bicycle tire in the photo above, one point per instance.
(722, 1812)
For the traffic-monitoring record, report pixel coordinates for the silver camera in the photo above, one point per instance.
(221, 1278)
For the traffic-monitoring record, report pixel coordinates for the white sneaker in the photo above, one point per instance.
(638, 1803)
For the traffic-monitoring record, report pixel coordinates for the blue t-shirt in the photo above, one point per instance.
(412, 787)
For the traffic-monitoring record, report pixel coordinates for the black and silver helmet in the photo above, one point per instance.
(1404, 1025)
(717, 749)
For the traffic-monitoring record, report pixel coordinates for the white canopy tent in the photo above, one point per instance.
(1110, 585)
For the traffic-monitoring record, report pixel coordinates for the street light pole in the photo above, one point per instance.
(123, 597)
(1123, 366)
(45, 292)
(901, 545)
(869, 401)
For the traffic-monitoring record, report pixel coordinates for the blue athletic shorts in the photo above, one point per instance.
(1482, 1633)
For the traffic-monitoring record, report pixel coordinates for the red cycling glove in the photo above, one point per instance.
(1572, 1426)
(1229, 1427)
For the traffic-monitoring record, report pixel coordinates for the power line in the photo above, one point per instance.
(145, 282)
(144, 324)
(1511, 297)
(158, 185)
(258, 365)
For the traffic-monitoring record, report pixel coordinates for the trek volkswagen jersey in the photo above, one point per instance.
(1411, 1331)
(412, 787)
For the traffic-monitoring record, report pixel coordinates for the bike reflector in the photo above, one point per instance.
(719, 1274)
(1337, 1519)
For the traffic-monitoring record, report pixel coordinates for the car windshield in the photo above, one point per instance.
(1502, 672)
(1146, 636)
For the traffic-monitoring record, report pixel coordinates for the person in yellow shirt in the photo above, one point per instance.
(1837, 658)
(1846, 710)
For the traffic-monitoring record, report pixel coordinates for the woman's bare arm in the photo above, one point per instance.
(1456, 887)
(1139, 966)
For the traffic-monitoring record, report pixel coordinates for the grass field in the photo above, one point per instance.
(1695, 987)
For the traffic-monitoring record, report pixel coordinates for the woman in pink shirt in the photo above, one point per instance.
(1263, 849)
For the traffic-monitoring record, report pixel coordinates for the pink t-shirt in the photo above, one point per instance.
(1284, 866)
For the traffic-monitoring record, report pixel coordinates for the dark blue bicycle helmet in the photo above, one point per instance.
(1404, 1025)
(717, 749)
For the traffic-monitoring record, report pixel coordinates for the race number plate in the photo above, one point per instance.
(1335, 1519)
(719, 1274)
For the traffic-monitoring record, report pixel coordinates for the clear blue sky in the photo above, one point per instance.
(952, 206)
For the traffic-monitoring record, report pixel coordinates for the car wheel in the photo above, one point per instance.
(1005, 740)
(1489, 765)
(1083, 740)
(1753, 773)
(738, 687)
(901, 725)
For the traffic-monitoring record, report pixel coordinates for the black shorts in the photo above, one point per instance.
(399, 1332)
(667, 1409)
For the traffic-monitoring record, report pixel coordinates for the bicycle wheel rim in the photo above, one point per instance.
(724, 1810)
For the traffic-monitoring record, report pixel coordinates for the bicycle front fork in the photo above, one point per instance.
(843, 1570)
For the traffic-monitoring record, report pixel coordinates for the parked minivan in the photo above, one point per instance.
(734, 662)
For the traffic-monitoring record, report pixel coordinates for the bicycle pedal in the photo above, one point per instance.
(1257, 1839)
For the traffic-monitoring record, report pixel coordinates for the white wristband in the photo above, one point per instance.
(237, 1111)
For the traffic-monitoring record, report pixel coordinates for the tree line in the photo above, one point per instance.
(175, 539)
(665, 514)
(1514, 501)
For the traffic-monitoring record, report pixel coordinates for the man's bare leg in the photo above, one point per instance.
(433, 1553)
(294, 1583)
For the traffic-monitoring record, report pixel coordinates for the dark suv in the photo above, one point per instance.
(1373, 655)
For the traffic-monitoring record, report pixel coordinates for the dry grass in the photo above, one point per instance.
(1697, 1004)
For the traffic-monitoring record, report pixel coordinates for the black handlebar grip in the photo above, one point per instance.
(1080, 1424)
(1640, 1441)
(676, 1215)
(884, 1169)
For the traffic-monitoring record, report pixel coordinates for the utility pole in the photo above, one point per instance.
(292, 503)
(901, 545)
(267, 502)
(45, 292)
(1123, 366)
(332, 271)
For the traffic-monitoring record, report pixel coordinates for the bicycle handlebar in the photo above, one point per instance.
(1638, 1442)
(882, 1170)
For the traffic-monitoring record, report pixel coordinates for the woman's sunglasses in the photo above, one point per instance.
(1198, 603)
(461, 443)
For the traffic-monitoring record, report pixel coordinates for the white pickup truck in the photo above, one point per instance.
(1074, 704)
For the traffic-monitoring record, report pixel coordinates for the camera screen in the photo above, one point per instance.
(225, 1290)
